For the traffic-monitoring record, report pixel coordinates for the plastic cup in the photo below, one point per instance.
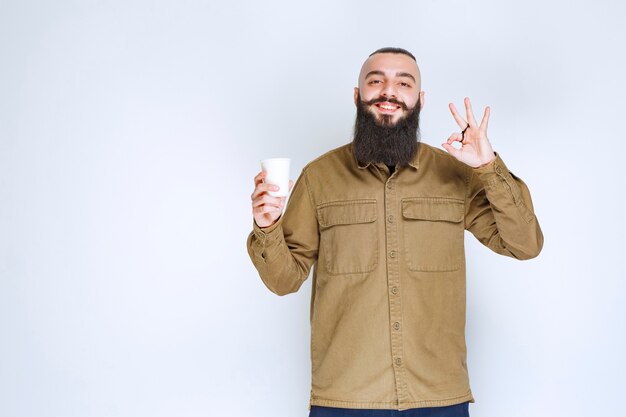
(277, 173)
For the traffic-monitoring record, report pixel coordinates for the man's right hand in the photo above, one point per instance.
(265, 208)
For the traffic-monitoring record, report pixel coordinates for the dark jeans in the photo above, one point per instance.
(458, 410)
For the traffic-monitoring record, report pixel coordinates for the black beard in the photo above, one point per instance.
(381, 141)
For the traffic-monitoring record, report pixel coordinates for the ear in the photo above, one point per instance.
(422, 94)
(356, 95)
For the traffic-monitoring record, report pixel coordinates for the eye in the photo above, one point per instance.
(403, 84)
(372, 82)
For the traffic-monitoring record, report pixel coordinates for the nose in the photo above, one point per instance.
(389, 91)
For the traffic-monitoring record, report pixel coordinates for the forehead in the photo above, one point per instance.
(390, 64)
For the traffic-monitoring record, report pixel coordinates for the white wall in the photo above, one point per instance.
(130, 132)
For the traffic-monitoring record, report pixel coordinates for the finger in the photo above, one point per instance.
(263, 188)
(455, 137)
(485, 122)
(259, 178)
(457, 117)
(266, 210)
(470, 114)
(452, 150)
(268, 200)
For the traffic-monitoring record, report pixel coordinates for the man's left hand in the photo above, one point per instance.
(476, 150)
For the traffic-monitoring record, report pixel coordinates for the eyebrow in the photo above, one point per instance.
(398, 74)
(405, 74)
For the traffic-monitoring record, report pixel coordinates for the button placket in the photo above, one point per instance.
(393, 281)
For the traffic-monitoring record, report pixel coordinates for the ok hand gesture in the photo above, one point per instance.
(475, 150)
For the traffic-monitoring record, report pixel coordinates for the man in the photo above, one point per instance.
(382, 221)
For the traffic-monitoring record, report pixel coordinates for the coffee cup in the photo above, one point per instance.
(277, 173)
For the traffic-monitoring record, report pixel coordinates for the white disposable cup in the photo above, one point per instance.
(277, 173)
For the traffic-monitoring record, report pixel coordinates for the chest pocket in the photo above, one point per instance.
(348, 236)
(433, 233)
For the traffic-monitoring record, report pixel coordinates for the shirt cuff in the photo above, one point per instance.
(268, 233)
(493, 174)
(496, 167)
(490, 166)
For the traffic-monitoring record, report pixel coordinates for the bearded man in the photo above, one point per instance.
(381, 220)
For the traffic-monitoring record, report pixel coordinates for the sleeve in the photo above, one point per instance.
(284, 252)
(499, 212)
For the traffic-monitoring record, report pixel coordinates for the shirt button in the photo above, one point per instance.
(396, 326)
(398, 361)
(389, 185)
(392, 254)
(394, 290)
(390, 219)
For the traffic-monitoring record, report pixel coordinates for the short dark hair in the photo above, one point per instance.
(392, 50)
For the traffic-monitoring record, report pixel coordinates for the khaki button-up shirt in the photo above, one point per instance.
(388, 292)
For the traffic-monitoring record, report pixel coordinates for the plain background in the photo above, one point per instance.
(130, 132)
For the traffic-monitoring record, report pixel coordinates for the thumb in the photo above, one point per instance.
(452, 150)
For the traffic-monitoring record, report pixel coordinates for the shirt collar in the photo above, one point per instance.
(415, 163)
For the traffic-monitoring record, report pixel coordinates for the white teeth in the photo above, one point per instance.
(388, 107)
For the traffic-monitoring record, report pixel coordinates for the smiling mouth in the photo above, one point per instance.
(386, 107)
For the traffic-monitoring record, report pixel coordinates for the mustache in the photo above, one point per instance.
(383, 100)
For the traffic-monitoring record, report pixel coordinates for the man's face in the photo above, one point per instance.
(389, 86)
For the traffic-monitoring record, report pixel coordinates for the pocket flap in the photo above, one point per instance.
(347, 212)
(434, 209)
